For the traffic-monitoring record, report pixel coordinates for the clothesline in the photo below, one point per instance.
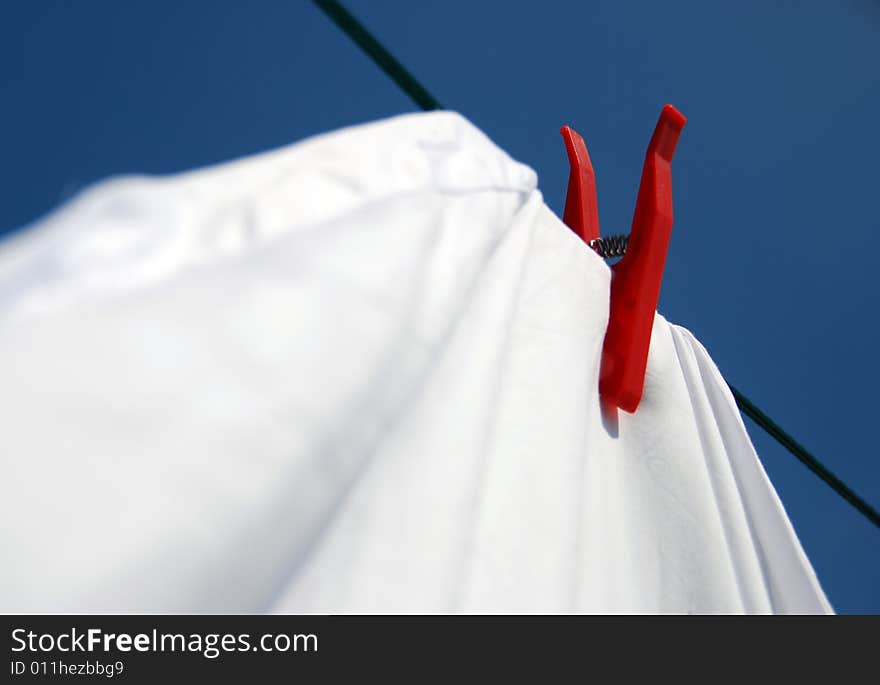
(420, 95)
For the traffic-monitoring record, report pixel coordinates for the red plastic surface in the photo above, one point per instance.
(581, 208)
(636, 278)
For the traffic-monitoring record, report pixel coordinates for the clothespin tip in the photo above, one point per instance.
(666, 134)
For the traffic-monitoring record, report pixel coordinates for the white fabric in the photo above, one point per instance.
(358, 374)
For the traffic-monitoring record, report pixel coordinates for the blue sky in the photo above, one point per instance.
(776, 244)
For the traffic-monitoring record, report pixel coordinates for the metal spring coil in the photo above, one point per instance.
(610, 246)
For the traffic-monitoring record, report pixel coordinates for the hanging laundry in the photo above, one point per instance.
(359, 374)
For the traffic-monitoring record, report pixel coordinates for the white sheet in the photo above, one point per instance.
(358, 374)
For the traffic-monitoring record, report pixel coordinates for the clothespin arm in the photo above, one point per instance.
(636, 278)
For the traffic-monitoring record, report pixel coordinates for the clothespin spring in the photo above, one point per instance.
(610, 246)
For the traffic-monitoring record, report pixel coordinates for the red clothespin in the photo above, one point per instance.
(635, 279)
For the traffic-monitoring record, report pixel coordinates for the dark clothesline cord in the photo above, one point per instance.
(386, 61)
(807, 459)
(408, 83)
